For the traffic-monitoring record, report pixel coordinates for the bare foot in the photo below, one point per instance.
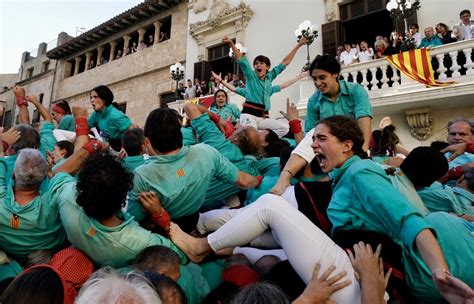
(225, 251)
(196, 249)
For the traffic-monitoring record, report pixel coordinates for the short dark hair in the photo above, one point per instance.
(327, 63)
(29, 138)
(163, 129)
(414, 25)
(132, 141)
(346, 128)
(102, 186)
(385, 141)
(464, 11)
(264, 59)
(105, 94)
(262, 293)
(225, 93)
(275, 144)
(37, 285)
(424, 165)
(163, 285)
(66, 145)
(154, 256)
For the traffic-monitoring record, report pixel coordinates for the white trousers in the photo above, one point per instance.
(280, 127)
(304, 243)
(64, 135)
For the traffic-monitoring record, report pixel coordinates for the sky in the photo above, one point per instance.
(24, 24)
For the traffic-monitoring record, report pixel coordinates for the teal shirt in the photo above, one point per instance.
(257, 90)
(461, 160)
(364, 199)
(208, 133)
(130, 163)
(352, 101)
(181, 181)
(67, 123)
(34, 226)
(228, 110)
(189, 138)
(466, 199)
(115, 246)
(434, 41)
(439, 197)
(193, 283)
(111, 122)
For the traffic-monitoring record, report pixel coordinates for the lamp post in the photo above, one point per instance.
(306, 30)
(403, 9)
(177, 74)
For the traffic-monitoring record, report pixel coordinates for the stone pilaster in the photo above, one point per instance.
(100, 50)
(113, 45)
(157, 25)
(88, 60)
(76, 66)
(141, 34)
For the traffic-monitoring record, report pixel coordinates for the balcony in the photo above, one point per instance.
(391, 92)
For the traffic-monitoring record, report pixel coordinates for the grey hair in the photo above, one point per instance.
(30, 169)
(260, 293)
(470, 122)
(107, 287)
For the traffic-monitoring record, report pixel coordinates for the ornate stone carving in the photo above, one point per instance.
(221, 14)
(420, 122)
(331, 6)
(199, 6)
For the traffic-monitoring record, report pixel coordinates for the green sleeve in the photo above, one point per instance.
(225, 170)
(363, 107)
(246, 68)
(387, 208)
(3, 180)
(119, 124)
(242, 92)
(276, 71)
(235, 111)
(62, 188)
(47, 139)
(134, 207)
(67, 123)
(207, 132)
(312, 114)
(275, 89)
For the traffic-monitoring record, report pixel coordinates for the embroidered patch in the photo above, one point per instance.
(180, 172)
(91, 231)
(15, 221)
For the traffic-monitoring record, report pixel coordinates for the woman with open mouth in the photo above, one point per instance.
(259, 88)
(363, 199)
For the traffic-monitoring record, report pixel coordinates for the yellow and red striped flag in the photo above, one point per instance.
(416, 64)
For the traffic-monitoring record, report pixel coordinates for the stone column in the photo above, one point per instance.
(126, 42)
(100, 50)
(141, 34)
(113, 44)
(88, 60)
(76, 66)
(157, 25)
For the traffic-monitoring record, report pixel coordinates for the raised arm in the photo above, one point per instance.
(235, 50)
(225, 83)
(365, 124)
(288, 83)
(41, 109)
(288, 58)
(22, 103)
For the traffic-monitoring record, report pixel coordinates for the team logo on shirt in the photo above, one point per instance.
(180, 172)
(91, 231)
(15, 221)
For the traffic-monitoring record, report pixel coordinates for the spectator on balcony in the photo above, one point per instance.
(381, 47)
(126, 51)
(339, 50)
(91, 64)
(348, 56)
(119, 54)
(204, 88)
(414, 35)
(181, 90)
(430, 39)
(465, 29)
(163, 37)
(445, 34)
(141, 46)
(190, 91)
(395, 43)
(365, 53)
(103, 61)
(134, 47)
(151, 40)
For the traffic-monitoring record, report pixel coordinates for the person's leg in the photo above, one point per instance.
(254, 254)
(211, 220)
(64, 135)
(280, 127)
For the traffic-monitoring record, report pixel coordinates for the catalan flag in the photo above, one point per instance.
(15, 221)
(206, 101)
(180, 172)
(416, 64)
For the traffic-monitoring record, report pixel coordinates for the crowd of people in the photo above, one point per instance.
(350, 53)
(227, 205)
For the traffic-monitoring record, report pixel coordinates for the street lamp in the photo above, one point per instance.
(307, 30)
(403, 9)
(177, 74)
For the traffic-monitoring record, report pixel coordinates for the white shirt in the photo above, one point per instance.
(466, 31)
(347, 58)
(366, 55)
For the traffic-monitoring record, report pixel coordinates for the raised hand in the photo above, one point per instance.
(216, 77)
(18, 91)
(11, 136)
(291, 111)
(150, 202)
(32, 99)
(79, 111)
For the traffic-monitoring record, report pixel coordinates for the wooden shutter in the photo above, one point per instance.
(202, 70)
(331, 36)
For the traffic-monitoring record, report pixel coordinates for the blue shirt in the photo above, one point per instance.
(228, 110)
(111, 122)
(67, 123)
(352, 101)
(434, 41)
(257, 90)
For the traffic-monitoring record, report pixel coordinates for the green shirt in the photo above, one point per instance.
(439, 197)
(130, 163)
(34, 226)
(181, 180)
(111, 122)
(193, 283)
(352, 101)
(67, 123)
(364, 199)
(434, 41)
(208, 133)
(257, 90)
(189, 137)
(228, 110)
(466, 199)
(114, 246)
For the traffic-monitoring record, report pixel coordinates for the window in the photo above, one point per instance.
(165, 29)
(40, 97)
(45, 66)
(123, 107)
(29, 73)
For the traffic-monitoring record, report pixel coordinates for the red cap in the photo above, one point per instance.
(240, 275)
